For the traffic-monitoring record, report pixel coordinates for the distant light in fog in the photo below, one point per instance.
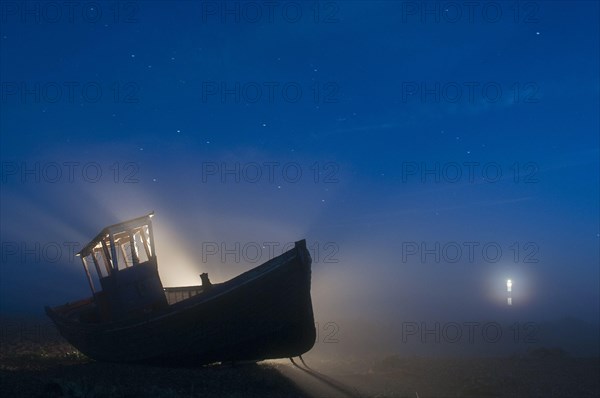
(510, 281)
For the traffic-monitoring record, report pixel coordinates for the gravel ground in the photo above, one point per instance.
(36, 362)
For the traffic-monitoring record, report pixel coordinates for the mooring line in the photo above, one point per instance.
(336, 385)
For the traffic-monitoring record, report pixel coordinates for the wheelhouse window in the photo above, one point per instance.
(118, 247)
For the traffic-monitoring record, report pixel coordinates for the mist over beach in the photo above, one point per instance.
(299, 199)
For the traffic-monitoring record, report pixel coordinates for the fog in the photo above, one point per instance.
(416, 206)
(400, 274)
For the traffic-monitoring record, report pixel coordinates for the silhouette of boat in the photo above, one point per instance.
(261, 314)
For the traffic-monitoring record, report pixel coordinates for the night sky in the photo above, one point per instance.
(428, 152)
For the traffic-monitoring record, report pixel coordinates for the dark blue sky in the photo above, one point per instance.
(361, 97)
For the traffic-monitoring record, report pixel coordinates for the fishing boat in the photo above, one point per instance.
(264, 313)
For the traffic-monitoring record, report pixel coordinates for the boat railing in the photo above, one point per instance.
(180, 293)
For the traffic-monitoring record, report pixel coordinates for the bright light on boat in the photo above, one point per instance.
(509, 285)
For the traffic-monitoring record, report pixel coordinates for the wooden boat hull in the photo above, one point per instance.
(261, 314)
